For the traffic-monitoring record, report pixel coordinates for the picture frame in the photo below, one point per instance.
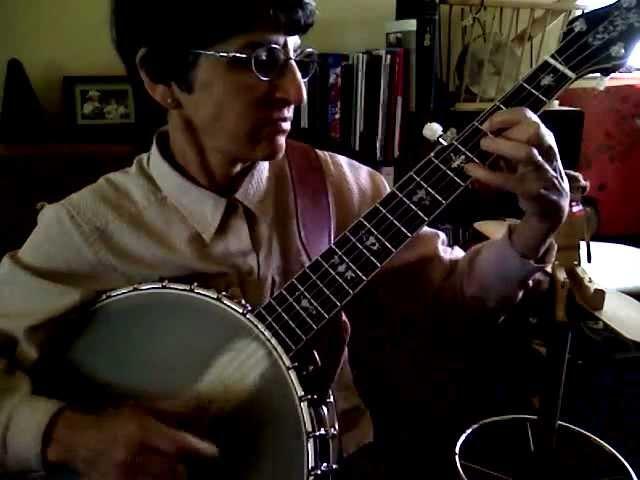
(99, 108)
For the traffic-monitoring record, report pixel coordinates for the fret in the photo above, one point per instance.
(500, 105)
(461, 159)
(299, 326)
(311, 309)
(560, 66)
(464, 150)
(280, 337)
(381, 238)
(449, 172)
(422, 184)
(471, 137)
(261, 316)
(393, 220)
(327, 277)
(481, 156)
(431, 189)
(327, 302)
(535, 92)
(360, 256)
(520, 95)
(270, 310)
(435, 182)
(294, 335)
(455, 161)
(343, 269)
(337, 256)
(362, 249)
(368, 239)
(436, 195)
(421, 202)
(397, 207)
(549, 81)
(476, 124)
(424, 218)
(392, 236)
(337, 276)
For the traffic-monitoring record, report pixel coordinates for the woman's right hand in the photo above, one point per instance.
(122, 444)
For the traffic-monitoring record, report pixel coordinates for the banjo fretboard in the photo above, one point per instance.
(320, 291)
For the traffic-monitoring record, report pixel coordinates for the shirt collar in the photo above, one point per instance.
(203, 208)
(254, 191)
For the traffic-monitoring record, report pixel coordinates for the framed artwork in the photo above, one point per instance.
(99, 107)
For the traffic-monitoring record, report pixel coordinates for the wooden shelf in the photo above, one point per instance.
(72, 149)
(31, 174)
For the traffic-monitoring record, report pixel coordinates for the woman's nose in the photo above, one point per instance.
(290, 85)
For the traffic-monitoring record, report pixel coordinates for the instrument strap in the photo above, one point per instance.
(311, 198)
(315, 231)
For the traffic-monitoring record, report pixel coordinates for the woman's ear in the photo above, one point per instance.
(162, 93)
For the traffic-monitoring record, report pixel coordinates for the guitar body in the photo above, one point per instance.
(176, 348)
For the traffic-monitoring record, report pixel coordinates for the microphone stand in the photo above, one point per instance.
(552, 447)
(558, 346)
(568, 278)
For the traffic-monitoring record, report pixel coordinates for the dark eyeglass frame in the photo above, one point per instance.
(285, 57)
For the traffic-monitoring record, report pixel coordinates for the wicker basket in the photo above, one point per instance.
(487, 46)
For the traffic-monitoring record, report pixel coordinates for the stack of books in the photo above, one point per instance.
(357, 105)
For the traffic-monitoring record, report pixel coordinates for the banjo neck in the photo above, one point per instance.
(593, 42)
(320, 291)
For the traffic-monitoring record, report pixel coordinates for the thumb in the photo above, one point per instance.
(336, 349)
(191, 445)
(176, 442)
(345, 329)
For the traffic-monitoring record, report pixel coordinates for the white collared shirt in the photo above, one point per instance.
(148, 222)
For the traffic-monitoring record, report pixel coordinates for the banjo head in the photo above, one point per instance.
(175, 345)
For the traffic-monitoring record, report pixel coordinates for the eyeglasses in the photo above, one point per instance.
(268, 62)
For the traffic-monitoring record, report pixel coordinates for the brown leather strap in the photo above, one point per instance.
(311, 197)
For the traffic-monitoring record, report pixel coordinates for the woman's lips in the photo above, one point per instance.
(281, 125)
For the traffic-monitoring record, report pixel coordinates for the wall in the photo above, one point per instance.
(56, 38)
(71, 37)
(351, 25)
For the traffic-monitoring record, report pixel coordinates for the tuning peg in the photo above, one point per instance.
(433, 132)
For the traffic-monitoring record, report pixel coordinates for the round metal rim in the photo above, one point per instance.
(464, 436)
(273, 344)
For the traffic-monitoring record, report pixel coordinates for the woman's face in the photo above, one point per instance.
(234, 113)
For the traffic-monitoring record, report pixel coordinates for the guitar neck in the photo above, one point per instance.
(328, 282)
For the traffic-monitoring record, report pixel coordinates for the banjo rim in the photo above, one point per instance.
(315, 428)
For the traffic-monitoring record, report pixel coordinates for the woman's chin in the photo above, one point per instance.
(274, 147)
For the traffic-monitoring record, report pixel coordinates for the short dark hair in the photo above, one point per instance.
(170, 29)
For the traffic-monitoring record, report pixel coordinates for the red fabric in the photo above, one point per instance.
(610, 157)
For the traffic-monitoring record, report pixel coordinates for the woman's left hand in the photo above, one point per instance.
(532, 170)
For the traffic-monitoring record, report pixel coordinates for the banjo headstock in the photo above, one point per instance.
(601, 41)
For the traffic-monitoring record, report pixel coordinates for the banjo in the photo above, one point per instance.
(139, 342)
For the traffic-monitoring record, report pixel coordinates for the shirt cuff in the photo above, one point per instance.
(498, 274)
(545, 259)
(26, 428)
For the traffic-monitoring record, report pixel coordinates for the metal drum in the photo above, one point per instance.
(170, 342)
(503, 448)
